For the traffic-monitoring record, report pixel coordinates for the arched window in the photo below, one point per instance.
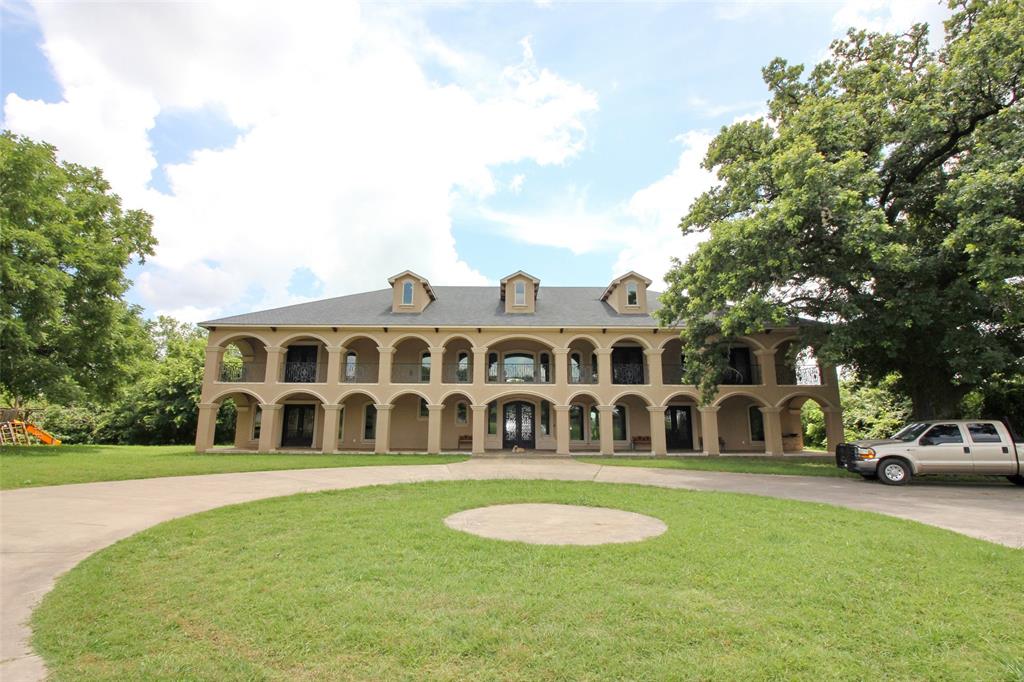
(492, 366)
(595, 423)
(407, 293)
(351, 362)
(619, 423)
(576, 422)
(461, 414)
(756, 423)
(425, 367)
(545, 418)
(545, 368)
(370, 422)
(462, 369)
(631, 294)
(492, 417)
(520, 293)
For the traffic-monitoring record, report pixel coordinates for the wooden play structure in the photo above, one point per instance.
(15, 429)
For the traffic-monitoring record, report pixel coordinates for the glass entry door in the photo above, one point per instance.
(519, 426)
(678, 428)
(297, 430)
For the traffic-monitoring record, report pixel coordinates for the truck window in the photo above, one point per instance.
(910, 432)
(945, 433)
(984, 433)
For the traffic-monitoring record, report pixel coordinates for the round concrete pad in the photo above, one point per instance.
(556, 524)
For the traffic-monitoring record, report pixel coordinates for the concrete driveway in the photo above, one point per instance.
(46, 531)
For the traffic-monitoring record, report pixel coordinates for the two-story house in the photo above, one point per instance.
(566, 370)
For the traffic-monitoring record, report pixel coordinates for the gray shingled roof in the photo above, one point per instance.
(455, 306)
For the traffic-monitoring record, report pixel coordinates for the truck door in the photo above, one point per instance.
(942, 450)
(992, 454)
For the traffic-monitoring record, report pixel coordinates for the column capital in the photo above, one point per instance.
(479, 349)
(215, 349)
(208, 406)
(562, 408)
(436, 350)
(560, 351)
(381, 407)
(656, 408)
(602, 351)
(648, 352)
(336, 349)
(386, 350)
(764, 352)
(435, 408)
(241, 408)
(709, 408)
(478, 408)
(770, 410)
(333, 408)
(605, 408)
(270, 407)
(274, 349)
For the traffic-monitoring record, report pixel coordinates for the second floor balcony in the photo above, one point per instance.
(246, 372)
(526, 373)
(360, 373)
(628, 373)
(308, 372)
(457, 373)
(410, 373)
(803, 374)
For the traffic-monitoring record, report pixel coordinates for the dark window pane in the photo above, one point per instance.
(984, 433)
(756, 423)
(945, 433)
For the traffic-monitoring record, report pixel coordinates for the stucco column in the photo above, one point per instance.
(436, 365)
(243, 425)
(330, 440)
(479, 367)
(766, 360)
(561, 366)
(772, 417)
(211, 368)
(653, 369)
(605, 429)
(206, 426)
(829, 375)
(604, 366)
(562, 429)
(384, 368)
(479, 426)
(659, 445)
(382, 433)
(334, 357)
(268, 427)
(275, 356)
(434, 415)
(709, 429)
(834, 430)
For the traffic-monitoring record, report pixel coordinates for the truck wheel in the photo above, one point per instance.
(1016, 480)
(894, 472)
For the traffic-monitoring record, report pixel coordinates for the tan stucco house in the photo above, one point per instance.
(415, 367)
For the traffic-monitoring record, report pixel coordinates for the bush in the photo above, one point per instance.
(73, 424)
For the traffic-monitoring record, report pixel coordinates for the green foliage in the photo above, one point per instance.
(883, 195)
(873, 410)
(65, 329)
(71, 423)
(812, 420)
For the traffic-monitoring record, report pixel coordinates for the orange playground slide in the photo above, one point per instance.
(43, 436)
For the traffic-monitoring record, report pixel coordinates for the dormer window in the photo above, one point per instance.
(520, 293)
(631, 295)
(407, 293)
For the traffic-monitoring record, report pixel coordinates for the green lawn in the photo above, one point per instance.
(23, 467)
(795, 465)
(369, 584)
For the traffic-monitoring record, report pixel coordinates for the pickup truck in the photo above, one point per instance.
(944, 446)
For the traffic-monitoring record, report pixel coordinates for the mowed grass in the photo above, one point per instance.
(370, 584)
(23, 467)
(790, 464)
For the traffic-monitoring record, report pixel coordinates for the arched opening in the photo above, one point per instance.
(244, 361)
(458, 361)
(741, 425)
(584, 423)
(519, 361)
(796, 365)
(360, 361)
(305, 361)
(409, 423)
(237, 424)
(301, 425)
(582, 361)
(804, 428)
(357, 423)
(629, 364)
(631, 424)
(672, 362)
(683, 429)
(743, 368)
(520, 420)
(457, 423)
(411, 362)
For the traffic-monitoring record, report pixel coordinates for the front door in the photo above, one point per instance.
(678, 428)
(297, 430)
(519, 426)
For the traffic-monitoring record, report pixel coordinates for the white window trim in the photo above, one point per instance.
(408, 285)
(625, 423)
(520, 296)
(636, 292)
(465, 422)
(362, 425)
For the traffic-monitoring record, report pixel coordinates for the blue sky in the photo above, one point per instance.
(310, 150)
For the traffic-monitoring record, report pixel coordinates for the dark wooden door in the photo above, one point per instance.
(297, 430)
(519, 426)
(678, 428)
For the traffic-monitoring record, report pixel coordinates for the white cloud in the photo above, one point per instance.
(892, 16)
(351, 159)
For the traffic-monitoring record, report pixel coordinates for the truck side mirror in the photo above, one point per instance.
(925, 440)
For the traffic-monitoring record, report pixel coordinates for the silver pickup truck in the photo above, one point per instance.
(946, 446)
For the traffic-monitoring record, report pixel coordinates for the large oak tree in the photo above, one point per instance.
(883, 194)
(66, 331)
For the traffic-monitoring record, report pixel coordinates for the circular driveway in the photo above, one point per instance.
(44, 532)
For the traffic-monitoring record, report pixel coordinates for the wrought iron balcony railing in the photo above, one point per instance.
(410, 373)
(457, 373)
(672, 374)
(627, 373)
(360, 373)
(748, 376)
(304, 372)
(582, 374)
(804, 374)
(248, 372)
(520, 374)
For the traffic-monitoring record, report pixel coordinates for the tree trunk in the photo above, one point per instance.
(936, 401)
